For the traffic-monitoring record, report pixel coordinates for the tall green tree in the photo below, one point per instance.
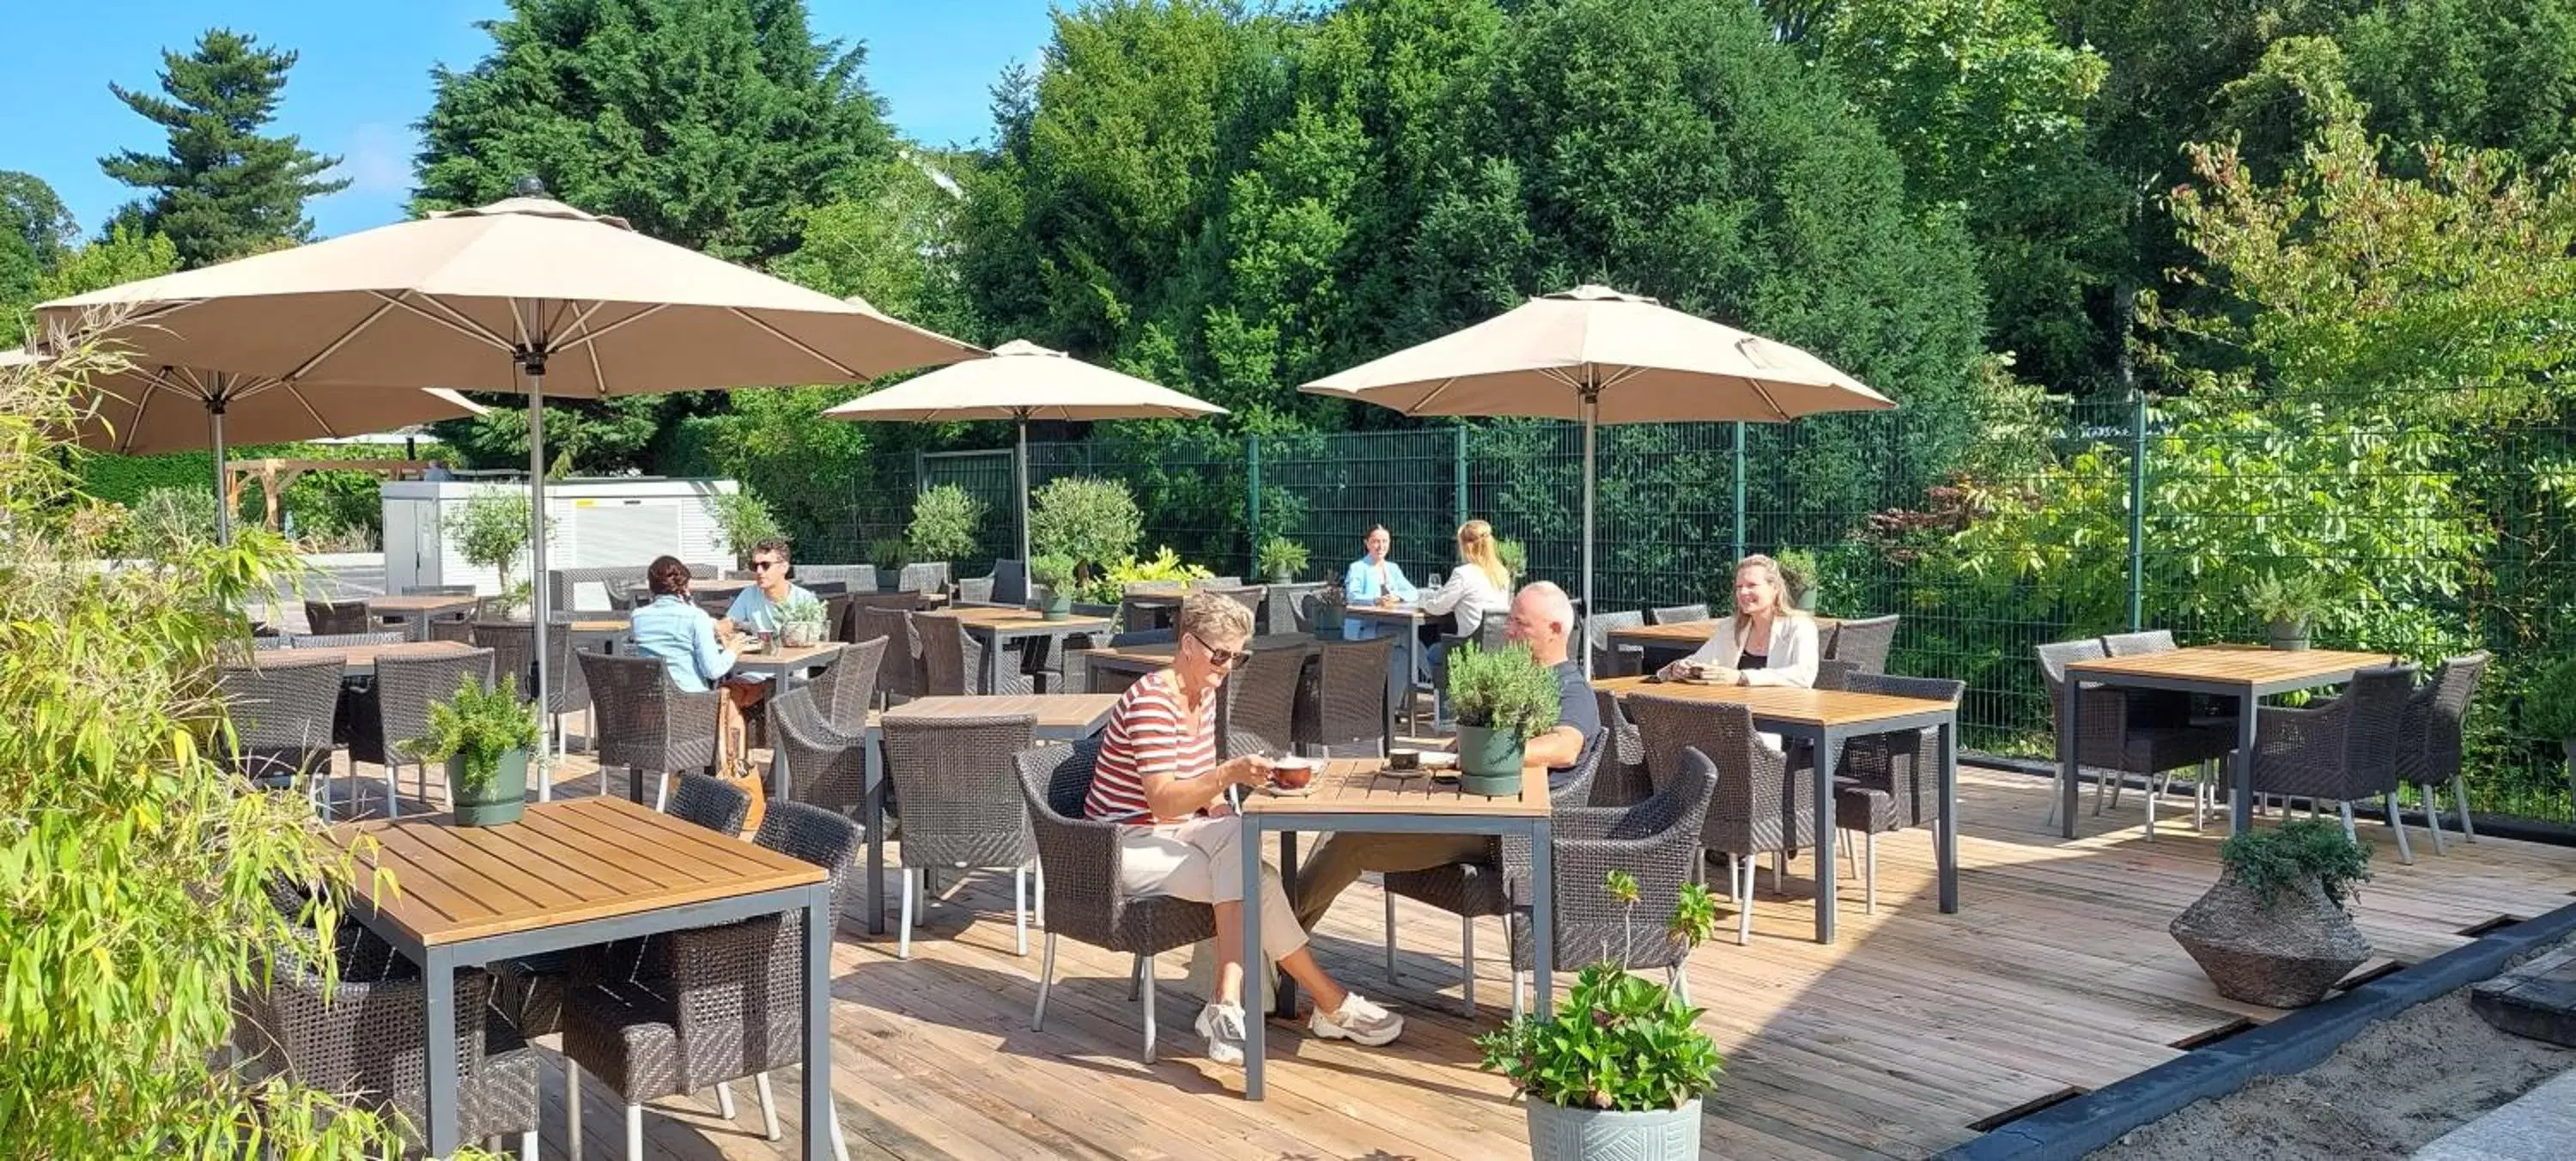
(121, 256)
(221, 188)
(35, 230)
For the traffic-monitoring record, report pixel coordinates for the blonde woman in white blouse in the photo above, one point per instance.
(1765, 643)
(1480, 587)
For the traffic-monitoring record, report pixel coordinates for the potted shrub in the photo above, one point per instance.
(1618, 1070)
(800, 621)
(1093, 523)
(1331, 603)
(1514, 555)
(1799, 571)
(1054, 575)
(944, 522)
(744, 522)
(484, 736)
(2274, 931)
(1281, 559)
(2288, 605)
(1502, 699)
(2549, 711)
(887, 553)
(491, 530)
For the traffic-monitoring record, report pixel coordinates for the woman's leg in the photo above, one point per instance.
(1301, 966)
(1229, 953)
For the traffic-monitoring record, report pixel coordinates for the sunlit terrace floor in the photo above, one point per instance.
(2056, 974)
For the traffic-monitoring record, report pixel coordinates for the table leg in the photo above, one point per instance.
(2240, 811)
(2070, 757)
(875, 795)
(438, 1022)
(1255, 1027)
(1542, 916)
(1285, 994)
(992, 664)
(1945, 831)
(819, 922)
(1826, 743)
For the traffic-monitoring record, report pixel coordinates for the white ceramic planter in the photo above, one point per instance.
(1558, 1133)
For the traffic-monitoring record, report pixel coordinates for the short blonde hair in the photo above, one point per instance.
(1214, 616)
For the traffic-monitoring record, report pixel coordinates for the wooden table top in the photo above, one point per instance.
(1161, 653)
(598, 624)
(362, 658)
(1689, 633)
(562, 862)
(1785, 703)
(2250, 665)
(780, 659)
(398, 606)
(701, 586)
(1398, 613)
(1359, 786)
(1056, 712)
(998, 617)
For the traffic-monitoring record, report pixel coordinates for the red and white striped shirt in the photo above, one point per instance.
(1152, 731)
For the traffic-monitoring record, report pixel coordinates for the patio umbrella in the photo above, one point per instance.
(1021, 382)
(149, 410)
(495, 299)
(1594, 354)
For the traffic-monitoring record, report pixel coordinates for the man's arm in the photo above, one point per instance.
(1554, 749)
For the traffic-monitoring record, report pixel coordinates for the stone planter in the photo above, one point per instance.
(2281, 953)
(799, 634)
(1558, 1133)
(499, 803)
(1489, 763)
(2288, 636)
(1330, 610)
(1283, 577)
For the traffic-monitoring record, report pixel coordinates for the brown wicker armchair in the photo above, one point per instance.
(1622, 777)
(1759, 807)
(1610, 660)
(1083, 896)
(2429, 745)
(513, 646)
(1890, 782)
(334, 617)
(848, 686)
(899, 668)
(282, 711)
(1656, 841)
(1676, 614)
(1288, 609)
(647, 723)
(1865, 643)
(2342, 751)
(1261, 703)
(824, 767)
(2115, 742)
(1351, 718)
(961, 807)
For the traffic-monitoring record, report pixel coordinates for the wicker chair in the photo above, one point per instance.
(952, 660)
(1759, 806)
(1136, 616)
(1606, 660)
(344, 640)
(1865, 643)
(1082, 893)
(961, 810)
(899, 668)
(923, 578)
(1656, 841)
(1676, 614)
(1078, 673)
(1248, 596)
(731, 1003)
(860, 578)
(2342, 751)
(2163, 707)
(1622, 778)
(825, 767)
(1007, 584)
(2429, 745)
(1261, 703)
(458, 631)
(513, 646)
(398, 714)
(2114, 743)
(647, 723)
(282, 712)
(1351, 698)
(846, 688)
(1289, 609)
(563, 585)
(713, 803)
(337, 617)
(1889, 782)
(1472, 889)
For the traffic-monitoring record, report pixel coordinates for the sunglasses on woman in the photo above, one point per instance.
(1222, 659)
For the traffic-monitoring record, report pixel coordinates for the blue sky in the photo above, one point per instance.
(364, 78)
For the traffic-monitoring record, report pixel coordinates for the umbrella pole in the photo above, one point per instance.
(1591, 422)
(535, 364)
(223, 477)
(1023, 461)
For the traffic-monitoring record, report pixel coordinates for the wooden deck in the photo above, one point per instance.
(2056, 974)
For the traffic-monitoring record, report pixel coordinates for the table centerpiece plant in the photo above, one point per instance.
(800, 621)
(1503, 698)
(485, 735)
(2288, 604)
(1053, 574)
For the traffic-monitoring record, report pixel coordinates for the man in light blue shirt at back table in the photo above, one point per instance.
(755, 609)
(1375, 580)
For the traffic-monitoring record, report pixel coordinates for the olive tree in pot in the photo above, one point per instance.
(744, 522)
(2274, 931)
(944, 522)
(1618, 1070)
(491, 530)
(1281, 559)
(1514, 557)
(1094, 524)
(484, 735)
(2288, 606)
(2549, 711)
(1798, 570)
(1054, 574)
(1503, 699)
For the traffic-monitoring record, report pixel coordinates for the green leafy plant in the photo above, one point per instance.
(1091, 522)
(1050, 570)
(1280, 556)
(1619, 1042)
(944, 522)
(167, 520)
(477, 726)
(1165, 567)
(491, 529)
(1506, 690)
(2293, 597)
(2270, 862)
(1514, 555)
(1799, 571)
(744, 521)
(801, 608)
(888, 553)
(2549, 704)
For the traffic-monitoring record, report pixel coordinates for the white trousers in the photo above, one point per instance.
(1201, 860)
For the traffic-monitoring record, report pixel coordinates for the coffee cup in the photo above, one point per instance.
(1292, 775)
(1403, 758)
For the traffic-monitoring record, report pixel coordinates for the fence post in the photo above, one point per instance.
(1458, 473)
(1739, 493)
(1252, 503)
(920, 471)
(2137, 509)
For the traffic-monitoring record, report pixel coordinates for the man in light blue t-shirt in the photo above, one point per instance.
(755, 609)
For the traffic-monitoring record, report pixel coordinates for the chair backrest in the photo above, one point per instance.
(1865, 643)
(1758, 805)
(2428, 752)
(948, 656)
(639, 723)
(848, 686)
(1596, 633)
(2137, 644)
(2055, 656)
(1351, 694)
(824, 766)
(566, 587)
(1835, 674)
(1621, 778)
(857, 578)
(827, 590)
(956, 779)
(929, 577)
(1261, 703)
(1676, 614)
(1926, 688)
(1010, 582)
(337, 617)
(817, 836)
(514, 652)
(406, 686)
(903, 602)
(1657, 841)
(344, 640)
(899, 667)
(1289, 608)
(448, 629)
(2375, 702)
(1057, 779)
(282, 704)
(1248, 596)
(1140, 616)
(713, 803)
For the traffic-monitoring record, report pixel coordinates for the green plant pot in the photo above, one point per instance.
(1489, 763)
(1328, 618)
(1283, 577)
(1055, 606)
(501, 802)
(2288, 636)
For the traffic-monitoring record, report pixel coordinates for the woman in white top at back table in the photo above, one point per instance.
(1764, 643)
(1478, 588)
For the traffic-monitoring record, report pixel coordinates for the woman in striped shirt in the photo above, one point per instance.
(1158, 776)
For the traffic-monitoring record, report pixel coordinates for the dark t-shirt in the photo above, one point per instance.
(1576, 707)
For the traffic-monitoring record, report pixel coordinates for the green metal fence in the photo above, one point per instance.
(2129, 517)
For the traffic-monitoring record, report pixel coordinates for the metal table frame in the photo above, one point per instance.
(1288, 819)
(1828, 742)
(438, 964)
(996, 636)
(2249, 696)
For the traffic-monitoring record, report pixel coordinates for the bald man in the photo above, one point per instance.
(1542, 618)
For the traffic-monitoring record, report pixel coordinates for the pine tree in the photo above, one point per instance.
(223, 189)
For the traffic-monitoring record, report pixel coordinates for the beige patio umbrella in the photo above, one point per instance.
(1021, 382)
(496, 299)
(150, 410)
(1594, 354)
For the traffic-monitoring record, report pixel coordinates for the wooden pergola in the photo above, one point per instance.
(276, 475)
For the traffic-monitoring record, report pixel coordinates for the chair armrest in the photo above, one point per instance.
(2280, 730)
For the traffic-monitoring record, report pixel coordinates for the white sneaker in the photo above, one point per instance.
(1359, 1021)
(1222, 1024)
